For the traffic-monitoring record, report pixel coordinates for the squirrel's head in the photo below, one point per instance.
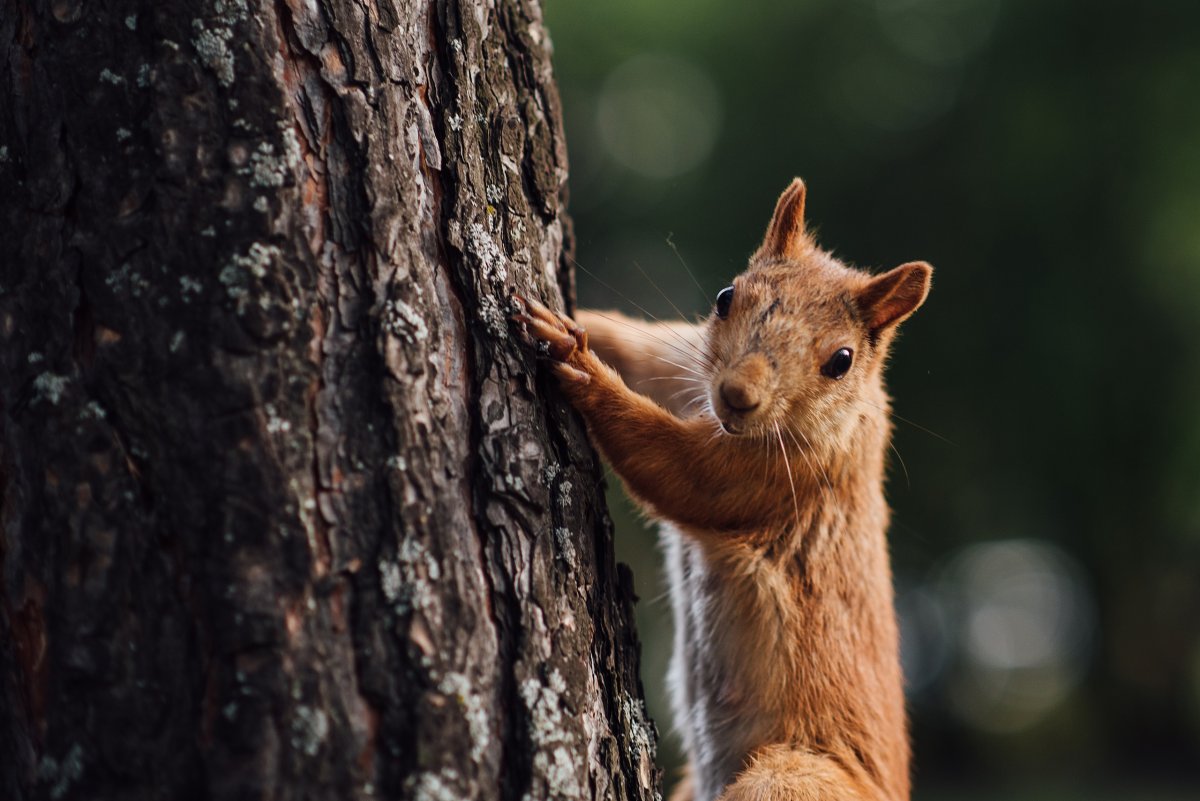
(799, 339)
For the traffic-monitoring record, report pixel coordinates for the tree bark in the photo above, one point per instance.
(287, 510)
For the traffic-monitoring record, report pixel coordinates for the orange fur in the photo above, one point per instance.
(788, 676)
(684, 789)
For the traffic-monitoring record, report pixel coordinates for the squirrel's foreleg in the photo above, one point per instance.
(685, 470)
(664, 361)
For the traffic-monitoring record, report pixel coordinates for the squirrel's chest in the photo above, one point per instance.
(715, 672)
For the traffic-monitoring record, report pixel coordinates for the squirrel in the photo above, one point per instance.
(785, 678)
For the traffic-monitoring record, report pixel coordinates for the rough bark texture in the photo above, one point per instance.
(287, 512)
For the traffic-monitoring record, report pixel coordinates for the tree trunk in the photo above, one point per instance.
(287, 512)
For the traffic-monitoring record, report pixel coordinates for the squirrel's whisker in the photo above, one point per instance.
(672, 378)
(680, 366)
(917, 426)
(787, 464)
(695, 398)
(667, 298)
(685, 410)
(699, 390)
(817, 471)
(639, 306)
(700, 360)
(688, 270)
(903, 466)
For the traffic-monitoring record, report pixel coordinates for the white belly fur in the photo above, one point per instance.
(703, 676)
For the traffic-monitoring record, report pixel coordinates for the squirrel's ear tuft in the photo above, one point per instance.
(785, 237)
(889, 299)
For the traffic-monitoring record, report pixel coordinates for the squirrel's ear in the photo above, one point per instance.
(785, 235)
(888, 299)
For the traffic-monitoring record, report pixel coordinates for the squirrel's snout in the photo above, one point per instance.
(740, 396)
(743, 392)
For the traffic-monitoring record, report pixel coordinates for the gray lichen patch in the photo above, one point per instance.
(484, 247)
(60, 776)
(231, 10)
(402, 320)
(562, 495)
(556, 760)
(390, 581)
(309, 729)
(491, 314)
(258, 258)
(212, 45)
(92, 411)
(633, 711)
(127, 279)
(50, 387)
(440, 786)
(189, 287)
(275, 423)
(518, 232)
(560, 767)
(254, 264)
(565, 546)
(458, 687)
(408, 582)
(475, 240)
(291, 144)
(234, 282)
(266, 168)
(413, 553)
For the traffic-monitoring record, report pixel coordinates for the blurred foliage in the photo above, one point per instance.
(1044, 155)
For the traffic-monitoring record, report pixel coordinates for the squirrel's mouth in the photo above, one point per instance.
(734, 420)
(741, 395)
(731, 427)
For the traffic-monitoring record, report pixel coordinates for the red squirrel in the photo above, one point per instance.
(786, 677)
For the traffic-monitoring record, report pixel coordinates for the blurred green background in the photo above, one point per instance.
(1045, 157)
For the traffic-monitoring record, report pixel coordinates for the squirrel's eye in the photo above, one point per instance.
(724, 298)
(838, 364)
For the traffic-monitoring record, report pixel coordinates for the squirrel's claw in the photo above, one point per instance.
(566, 372)
(561, 335)
(559, 342)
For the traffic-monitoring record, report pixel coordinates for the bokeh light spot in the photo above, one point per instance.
(1022, 621)
(658, 115)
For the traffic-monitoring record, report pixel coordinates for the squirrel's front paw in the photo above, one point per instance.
(557, 336)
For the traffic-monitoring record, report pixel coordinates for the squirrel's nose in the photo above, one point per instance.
(739, 396)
